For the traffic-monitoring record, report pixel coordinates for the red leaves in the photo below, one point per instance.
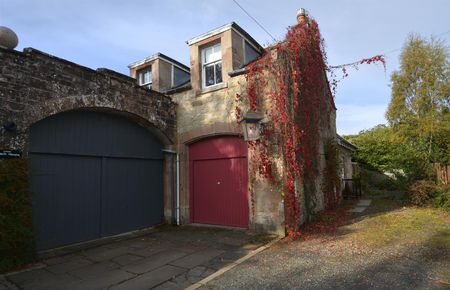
(295, 84)
(326, 224)
(376, 58)
(355, 65)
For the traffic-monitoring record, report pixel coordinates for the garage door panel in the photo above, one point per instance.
(93, 134)
(219, 181)
(134, 194)
(221, 147)
(93, 175)
(62, 186)
(220, 195)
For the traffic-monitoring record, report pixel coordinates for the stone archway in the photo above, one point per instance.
(102, 103)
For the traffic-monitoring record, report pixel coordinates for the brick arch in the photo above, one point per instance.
(120, 106)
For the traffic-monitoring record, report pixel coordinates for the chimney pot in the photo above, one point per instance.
(302, 15)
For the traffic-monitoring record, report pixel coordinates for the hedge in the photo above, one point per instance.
(16, 228)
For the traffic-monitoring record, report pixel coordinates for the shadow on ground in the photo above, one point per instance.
(415, 258)
(171, 258)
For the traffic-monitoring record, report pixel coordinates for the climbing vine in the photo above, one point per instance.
(331, 181)
(289, 84)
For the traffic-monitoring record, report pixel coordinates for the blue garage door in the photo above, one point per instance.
(93, 175)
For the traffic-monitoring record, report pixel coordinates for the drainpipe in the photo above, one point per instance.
(177, 207)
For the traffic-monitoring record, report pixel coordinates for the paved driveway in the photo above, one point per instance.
(173, 258)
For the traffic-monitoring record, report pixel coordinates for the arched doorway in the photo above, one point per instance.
(93, 174)
(219, 181)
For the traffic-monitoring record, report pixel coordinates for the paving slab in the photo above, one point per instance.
(149, 251)
(186, 279)
(364, 202)
(197, 273)
(153, 262)
(137, 243)
(57, 260)
(196, 259)
(187, 247)
(105, 253)
(150, 279)
(359, 209)
(6, 285)
(173, 258)
(101, 281)
(30, 277)
(126, 259)
(55, 282)
(73, 263)
(95, 270)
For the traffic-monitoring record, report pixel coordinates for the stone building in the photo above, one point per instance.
(350, 182)
(207, 119)
(347, 150)
(111, 154)
(159, 73)
(213, 157)
(96, 143)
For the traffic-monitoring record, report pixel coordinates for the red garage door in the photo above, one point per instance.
(218, 181)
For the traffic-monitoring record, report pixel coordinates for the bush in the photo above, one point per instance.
(16, 230)
(373, 180)
(382, 149)
(442, 198)
(387, 184)
(425, 192)
(421, 192)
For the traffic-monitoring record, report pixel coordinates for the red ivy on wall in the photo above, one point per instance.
(289, 83)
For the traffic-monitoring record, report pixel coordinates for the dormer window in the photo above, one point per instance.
(212, 65)
(144, 77)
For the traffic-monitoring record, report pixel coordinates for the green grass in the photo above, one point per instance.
(387, 226)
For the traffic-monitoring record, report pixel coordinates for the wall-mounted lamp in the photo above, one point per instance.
(251, 125)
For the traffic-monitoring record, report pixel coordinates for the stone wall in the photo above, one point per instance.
(347, 168)
(35, 85)
(206, 113)
(212, 113)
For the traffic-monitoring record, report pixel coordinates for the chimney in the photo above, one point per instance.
(302, 16)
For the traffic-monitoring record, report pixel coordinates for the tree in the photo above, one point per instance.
(375, 147)
(380, 148)
(419, 110)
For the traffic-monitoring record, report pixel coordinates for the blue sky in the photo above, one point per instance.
(113, 33)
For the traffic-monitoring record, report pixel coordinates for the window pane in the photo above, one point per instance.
(145, 77)
(179, 76)
(250, 53)
(212, 53)
(218, 72)
(209, 75)
(207, 54)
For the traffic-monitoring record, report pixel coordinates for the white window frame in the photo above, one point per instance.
(204, 64)
(140, 77)
(172, 75)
